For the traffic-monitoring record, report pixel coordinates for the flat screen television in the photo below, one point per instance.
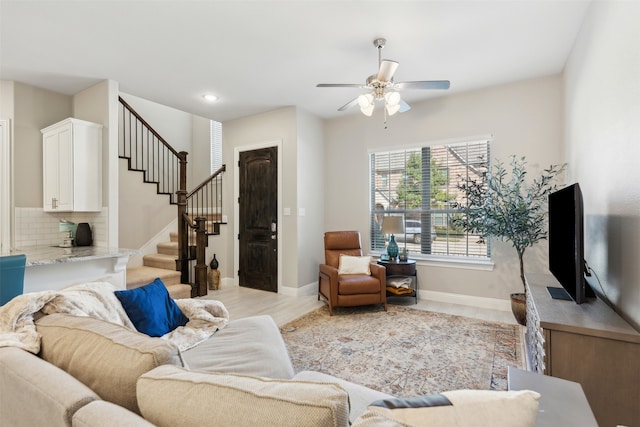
(566, 244)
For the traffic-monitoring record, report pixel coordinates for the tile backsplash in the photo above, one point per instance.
(34, 227)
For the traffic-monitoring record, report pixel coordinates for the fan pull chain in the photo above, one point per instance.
(385, 118)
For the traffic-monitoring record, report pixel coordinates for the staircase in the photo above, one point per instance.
(160, 265)
(179, 263)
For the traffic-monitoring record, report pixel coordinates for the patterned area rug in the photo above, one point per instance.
(404, 351)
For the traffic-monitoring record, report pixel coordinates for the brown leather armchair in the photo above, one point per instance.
(348, 290)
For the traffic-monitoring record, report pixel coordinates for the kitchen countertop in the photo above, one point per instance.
(47, 255)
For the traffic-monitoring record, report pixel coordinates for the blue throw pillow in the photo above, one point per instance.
(151, 310)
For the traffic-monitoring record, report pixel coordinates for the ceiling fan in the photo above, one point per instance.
(381, 87)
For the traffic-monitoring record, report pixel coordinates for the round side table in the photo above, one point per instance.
(398, 271)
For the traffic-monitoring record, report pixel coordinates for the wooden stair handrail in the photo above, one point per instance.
(213, 176)
(181, 155)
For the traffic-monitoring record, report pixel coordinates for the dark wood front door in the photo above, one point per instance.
(258, 216)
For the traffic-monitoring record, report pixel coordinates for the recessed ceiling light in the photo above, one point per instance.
(210, 97)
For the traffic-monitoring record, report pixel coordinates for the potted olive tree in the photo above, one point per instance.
(509, 207)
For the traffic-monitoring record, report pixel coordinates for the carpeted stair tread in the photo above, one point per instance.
(139, 276)
(160, 261)
(179, 291)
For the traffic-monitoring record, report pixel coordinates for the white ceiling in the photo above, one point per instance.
(261, 55)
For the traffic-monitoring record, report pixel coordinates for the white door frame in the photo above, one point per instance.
(236, 213)
(6, 180)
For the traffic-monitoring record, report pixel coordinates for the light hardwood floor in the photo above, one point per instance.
(244, 302)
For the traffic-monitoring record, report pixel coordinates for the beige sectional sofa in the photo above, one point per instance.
(94, 373)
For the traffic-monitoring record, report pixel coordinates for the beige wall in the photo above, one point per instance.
(34, 109)
(274, 126)
(92, 105)
(6, 99)
(525, 119)
(602, 107)
(310, 193)
(142, 213)
(99, 104)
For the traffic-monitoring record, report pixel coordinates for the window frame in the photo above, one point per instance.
(468, 260)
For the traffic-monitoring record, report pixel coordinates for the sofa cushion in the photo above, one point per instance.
(172, 396)
(459, 408)
(106, 357)
(36, 393)
(100, 413)
(250, 346)
(151, 309)
(359, 396)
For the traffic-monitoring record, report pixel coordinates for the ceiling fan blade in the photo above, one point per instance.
(427, 84)
(340, 85)
(387, 69)
(349, 104)
(404, 106)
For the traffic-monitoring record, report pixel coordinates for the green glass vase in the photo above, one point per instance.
(392, 248)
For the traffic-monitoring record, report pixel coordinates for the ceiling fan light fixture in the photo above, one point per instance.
(392, 109)
(392, 98)
(367, 111)
(392, 102)
(365, 102)
(382, 87)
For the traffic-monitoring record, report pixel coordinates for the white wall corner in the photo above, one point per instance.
(151, 247)
(305, 290)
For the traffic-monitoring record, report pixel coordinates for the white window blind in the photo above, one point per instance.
(420, 184)
(216, 145)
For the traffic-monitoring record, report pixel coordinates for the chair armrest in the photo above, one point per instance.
(378, 270)
(330, 272)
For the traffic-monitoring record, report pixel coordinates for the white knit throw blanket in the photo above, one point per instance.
(97, 300)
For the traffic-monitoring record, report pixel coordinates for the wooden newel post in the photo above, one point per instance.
(182, 263)
(183, 171)
(201, 265)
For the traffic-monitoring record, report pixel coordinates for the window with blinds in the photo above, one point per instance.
(216, 145)
(421, 185)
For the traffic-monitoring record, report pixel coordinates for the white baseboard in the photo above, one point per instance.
(446, 297)
(305, 290)
(310, 289)
(481, 302)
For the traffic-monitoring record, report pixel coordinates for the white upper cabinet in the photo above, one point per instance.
(72, 166)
